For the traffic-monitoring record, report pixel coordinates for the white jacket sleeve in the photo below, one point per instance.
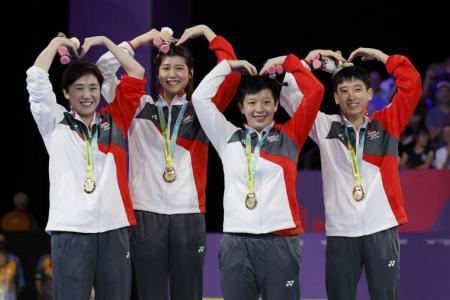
(216, 126)
(44, 108)
(290, 95)
(108, 65)
(290, 99)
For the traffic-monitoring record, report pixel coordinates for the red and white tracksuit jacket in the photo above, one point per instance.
(276, 168)
(71, 209)
(149, 191)
(383, 206)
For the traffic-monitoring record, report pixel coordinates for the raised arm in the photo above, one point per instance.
(196, 31)
(213, 122)
(109, 65)
(221, 47)
(395, 116)
(223, 50)
(309, 91)
(45, 58)
(291, 96)
(44, 108)
(130, 65)
(131, 88)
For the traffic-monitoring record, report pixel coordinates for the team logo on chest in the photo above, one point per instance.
(273, 138)
(187, 119)
(105, 126)
(373, 134)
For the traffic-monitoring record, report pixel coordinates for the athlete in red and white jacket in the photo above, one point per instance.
(261, 215)
(170, 238)
(90, 205)
(276, 169)
(373, 219)
(146, 147)
(383, 205)
(71, 208)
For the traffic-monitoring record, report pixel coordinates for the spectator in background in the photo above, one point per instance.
(19, 219)
(44, 277)
(419, 156)
(442, 160)
(11, 274)
(439, 115)
(380, 96)
(435, 72)
(447, 67)
(415, 123)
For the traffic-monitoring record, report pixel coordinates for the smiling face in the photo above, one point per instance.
(81, 83)
(352, 92)
(257, 98)
(259, 109)
(352, 96)
(84, 96)
(173, 76)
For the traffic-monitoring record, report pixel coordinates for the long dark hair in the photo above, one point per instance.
(182, 52)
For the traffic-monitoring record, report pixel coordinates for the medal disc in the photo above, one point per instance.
(169, 175)
(250, 201)
(358, 193)
(89, 185)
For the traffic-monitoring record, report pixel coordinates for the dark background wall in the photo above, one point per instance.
(257, 29)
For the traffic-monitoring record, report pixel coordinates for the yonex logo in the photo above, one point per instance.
(127, 255)
(391, 263)
(290, 283)
(201, 249)
(154, 117)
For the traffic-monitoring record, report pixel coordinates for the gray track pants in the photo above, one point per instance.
(168, 254)
(85, 260)
(378, 253)
(260, 264)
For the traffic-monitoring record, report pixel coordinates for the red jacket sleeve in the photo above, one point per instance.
(302, 120)
(409, 88)
(223, 50)
(127, 100)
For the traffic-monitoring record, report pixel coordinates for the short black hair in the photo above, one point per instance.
(77, 70)
(254, 84)
(349, 73)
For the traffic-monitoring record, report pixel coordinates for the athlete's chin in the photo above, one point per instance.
(259, 126)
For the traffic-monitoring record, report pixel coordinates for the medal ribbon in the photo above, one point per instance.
(89, 143)
(251, 162)
(356, 156)
(170, 143)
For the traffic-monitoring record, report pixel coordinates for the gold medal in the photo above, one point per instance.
(89, 185)
(169, 175)
(358, 193)
(250, 201)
